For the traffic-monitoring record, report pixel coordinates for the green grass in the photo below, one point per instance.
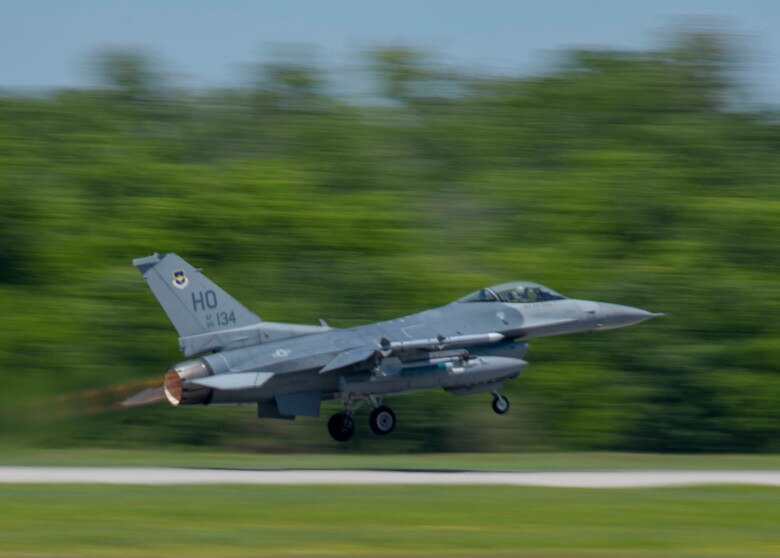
(387, 521)
(475, 461)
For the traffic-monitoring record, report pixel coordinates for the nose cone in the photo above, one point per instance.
(611, 316)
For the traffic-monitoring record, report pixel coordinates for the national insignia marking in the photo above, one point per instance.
(180, 279)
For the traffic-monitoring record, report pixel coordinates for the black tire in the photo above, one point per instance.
(382, 421)
(500, 405)
(341, 427)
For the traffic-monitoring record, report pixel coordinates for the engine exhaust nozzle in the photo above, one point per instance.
(179, 391)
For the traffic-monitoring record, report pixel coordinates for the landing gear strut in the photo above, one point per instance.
(500, 404)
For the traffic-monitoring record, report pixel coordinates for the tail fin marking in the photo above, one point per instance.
(193, 303)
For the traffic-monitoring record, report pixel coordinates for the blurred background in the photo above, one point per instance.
(358, 163)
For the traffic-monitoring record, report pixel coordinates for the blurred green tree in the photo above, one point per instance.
(631, 177)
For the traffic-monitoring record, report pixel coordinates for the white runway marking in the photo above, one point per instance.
(581, 479)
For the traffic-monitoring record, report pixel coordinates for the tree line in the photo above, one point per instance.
(639, 178)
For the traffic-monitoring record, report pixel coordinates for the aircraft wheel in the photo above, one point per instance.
(341, 427)
(382, 420)
(500, 404)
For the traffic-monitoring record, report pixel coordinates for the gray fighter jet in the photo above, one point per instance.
(472, 345)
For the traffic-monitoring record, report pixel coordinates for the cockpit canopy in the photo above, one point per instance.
(519, 292)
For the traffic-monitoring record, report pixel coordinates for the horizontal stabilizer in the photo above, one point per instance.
(234, 382)
(349, 357)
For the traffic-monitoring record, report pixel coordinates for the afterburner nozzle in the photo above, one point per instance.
(179, 391)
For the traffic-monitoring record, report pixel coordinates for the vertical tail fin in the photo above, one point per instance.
(193, 303)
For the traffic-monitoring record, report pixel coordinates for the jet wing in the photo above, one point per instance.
(234, 382)
(407, 349)
(350, 357)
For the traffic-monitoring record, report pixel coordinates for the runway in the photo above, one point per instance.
(194, 476)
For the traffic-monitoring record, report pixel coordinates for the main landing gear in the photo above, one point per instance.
(382, 420)
(342, 425)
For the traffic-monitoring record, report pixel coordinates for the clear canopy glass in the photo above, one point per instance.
(519, 292)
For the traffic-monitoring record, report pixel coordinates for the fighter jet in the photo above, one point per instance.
(470, 346)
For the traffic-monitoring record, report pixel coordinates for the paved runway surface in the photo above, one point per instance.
(579, 479)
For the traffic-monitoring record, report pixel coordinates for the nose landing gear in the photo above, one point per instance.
(500, 404)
